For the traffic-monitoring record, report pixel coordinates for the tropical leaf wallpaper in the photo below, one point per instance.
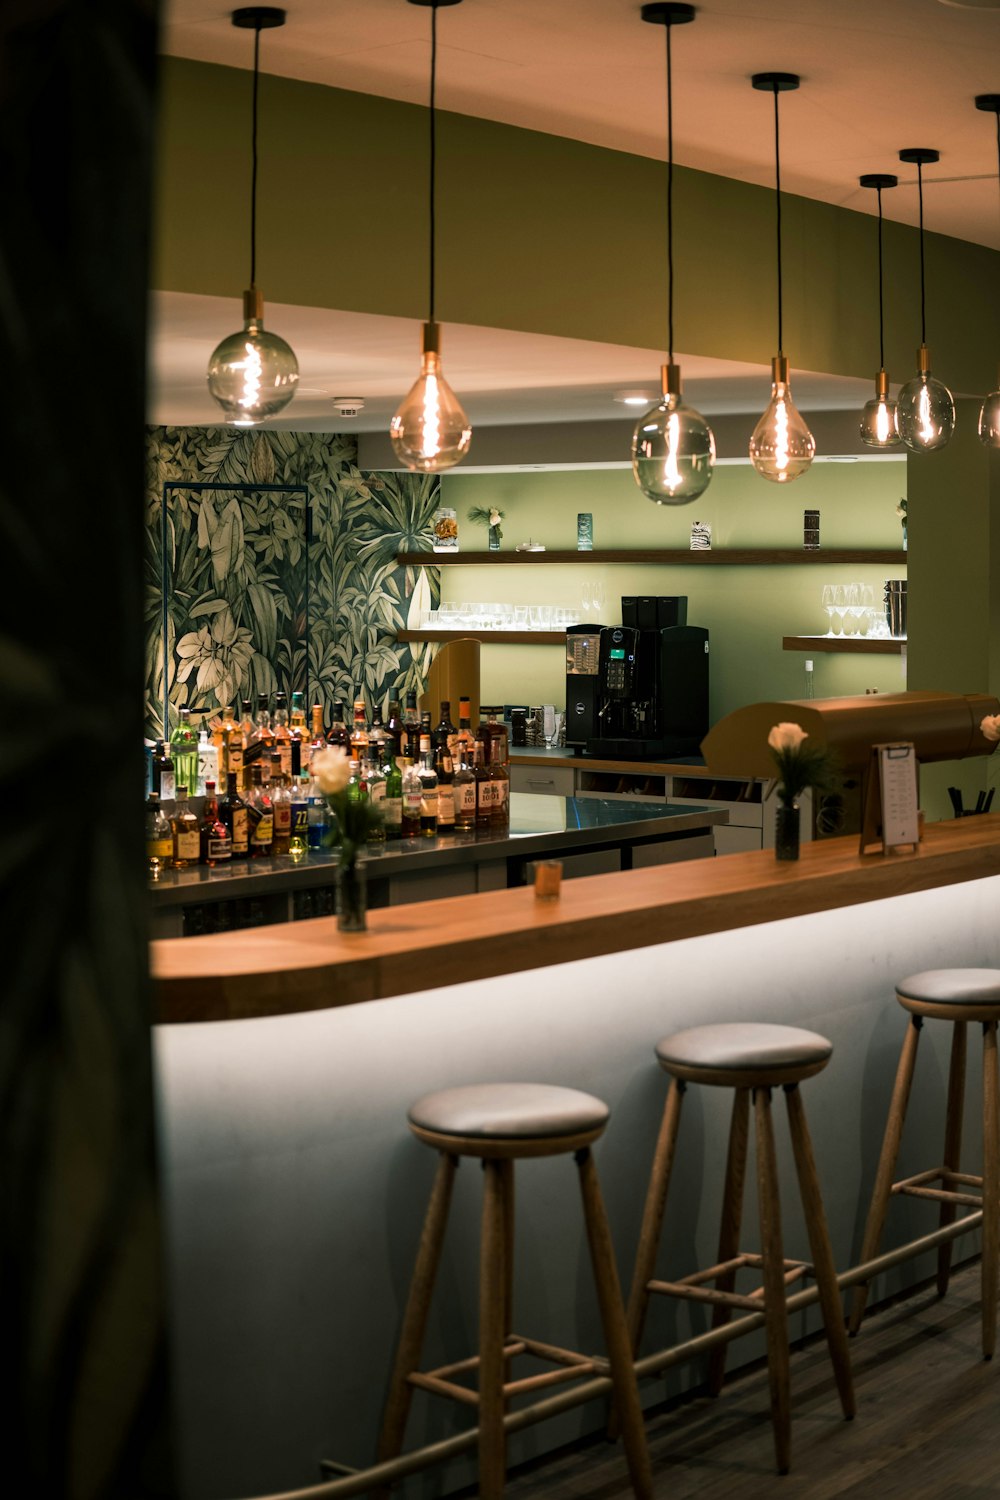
(283, 576)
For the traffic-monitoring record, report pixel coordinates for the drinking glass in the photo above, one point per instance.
(598, 597)
(830, 604)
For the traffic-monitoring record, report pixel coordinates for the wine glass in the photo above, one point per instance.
(830, 604)
(598, 597)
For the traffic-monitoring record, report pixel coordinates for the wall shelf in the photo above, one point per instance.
(488, 637)
(721, 557)
(856, 644)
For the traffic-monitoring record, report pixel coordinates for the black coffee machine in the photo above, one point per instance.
(637, 694)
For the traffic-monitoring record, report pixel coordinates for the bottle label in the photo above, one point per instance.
(168, 786)
(445, 806)
(453, 743)
(282, 816)
(499, 793)
(219, 849)
(376, 791)
(411, 803)
(234, 756)
(161, 848)
(187, 844)
(429, 804)
(285, 751)
(465, 797)
(264, 832)
(300, 819)
(486, 794)
(392, 808)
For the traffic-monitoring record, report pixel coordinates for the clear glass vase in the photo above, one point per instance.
(786, 831)
(352, 897)
(494, 538)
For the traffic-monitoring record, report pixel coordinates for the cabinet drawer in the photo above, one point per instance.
(557, 782)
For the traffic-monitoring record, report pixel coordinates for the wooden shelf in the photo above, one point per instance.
(852, 644)
(764, 557)
(488, 637)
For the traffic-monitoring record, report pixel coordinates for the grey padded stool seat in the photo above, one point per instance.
(501, 1123)
(957, 996)
(751, 1059)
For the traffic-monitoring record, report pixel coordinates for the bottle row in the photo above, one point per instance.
(423, 782)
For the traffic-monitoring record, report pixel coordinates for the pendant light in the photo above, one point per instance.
(430, 431)
(989, 416)
(925, 411)
(673, 448)
(253, 374)
(782, 447)
(878, 421)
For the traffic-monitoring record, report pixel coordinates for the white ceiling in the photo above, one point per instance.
(877, 75)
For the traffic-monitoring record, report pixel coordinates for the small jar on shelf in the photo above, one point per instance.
(445, 529)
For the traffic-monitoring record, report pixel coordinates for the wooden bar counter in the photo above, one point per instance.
(308, 965)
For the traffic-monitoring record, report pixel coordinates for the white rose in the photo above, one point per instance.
(495, 518)
(990, 727)
(332, 769)
(786, 737)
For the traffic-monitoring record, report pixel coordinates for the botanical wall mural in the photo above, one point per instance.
(284, 577)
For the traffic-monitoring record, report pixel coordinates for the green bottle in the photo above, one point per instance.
(392, 805)
(184, 752)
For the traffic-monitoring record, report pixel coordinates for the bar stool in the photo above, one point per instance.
(501, 1123)
(750, 1059)
(958, 996)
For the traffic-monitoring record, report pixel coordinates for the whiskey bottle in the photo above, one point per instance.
(184, 752)
(500, 782)
(233, 812)
(464, 791)
(464, 736)
(484, 789)
(247, 725)
(377, 737)
(215, 844)
(444, 768)
(318, 741)
(230, 747)
(184, 828)
(261, 818)
(411, 788)
(164, 781)
(159, 838)
(445, 732)
(281, 807)
(428, 789)
(282, 734)
(409, 738)
(359, 733)
(339, 734)
(393, 731)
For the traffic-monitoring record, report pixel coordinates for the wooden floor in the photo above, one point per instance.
(928, 1423)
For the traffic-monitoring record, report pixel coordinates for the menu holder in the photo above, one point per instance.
(889, 816)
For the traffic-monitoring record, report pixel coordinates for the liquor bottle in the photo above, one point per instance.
(184, 828)
(262, 732)
(484, 789)
(216, 847)
(411, 791)
(425, 729)
(392, 805)
(282, 734)
(393, 730)
(445, 732)
(445, 770)
(159, 837)
(233, 812)
(208, 762)
(339, 733)
(492, 728)
(298, 733)
(464, 735)
(318, 741)
(296, 760)
(376, 735)
(299, 841)
(318, 816)
(374, 785)
(464, 791)
(261, 817)
(164, 781)
(247, 725)
(281, 807)
(428, 789)
(409, 739)
(230, 747)
(359, 734)
(500, 779)
(184, 752)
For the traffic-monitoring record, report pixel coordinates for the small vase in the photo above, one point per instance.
(494, 538)
(904, 538)
(786, 831)
(352, 897)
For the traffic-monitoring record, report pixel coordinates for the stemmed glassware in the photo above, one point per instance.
(835, 602)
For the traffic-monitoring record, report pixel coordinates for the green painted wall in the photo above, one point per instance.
(746, 610)
(540, 233)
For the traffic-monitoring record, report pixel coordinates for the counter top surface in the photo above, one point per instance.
(308, 965)
(538, 824)
(540, 755)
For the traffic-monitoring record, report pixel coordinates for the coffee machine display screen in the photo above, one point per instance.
(616, 655)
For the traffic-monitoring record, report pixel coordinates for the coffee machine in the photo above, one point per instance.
(636, 694)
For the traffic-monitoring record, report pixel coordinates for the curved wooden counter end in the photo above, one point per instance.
(266, 971)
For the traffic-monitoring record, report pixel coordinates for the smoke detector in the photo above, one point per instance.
(348, 406)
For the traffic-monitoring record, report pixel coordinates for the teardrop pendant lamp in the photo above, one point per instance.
(782, 447)
(673, 447)
(253, 374)
(925, 411)
(989, 416)
(878, 421)
(430, 431)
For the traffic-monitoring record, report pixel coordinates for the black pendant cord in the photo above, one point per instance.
(670, 201)
(881, 325)
(253, 158)
(923, 305)
(777, 199)
(433, 159)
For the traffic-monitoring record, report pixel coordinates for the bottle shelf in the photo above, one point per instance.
(488, 637)
(741, 557)
(859, 645)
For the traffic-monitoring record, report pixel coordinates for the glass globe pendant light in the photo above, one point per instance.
(253, 374)
(878, 420)
(430, 431)
(673, 448)
(925, 411)
(989, 416)
(781, 447)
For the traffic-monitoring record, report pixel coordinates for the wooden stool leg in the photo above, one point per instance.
(417, 1308)
(493, 1284)
(991, 1187)
(652, 1217)
(609, 1298)
(887, 1163)
(729, 1233)
(819, 1243)
(952, 1143)
(507, 1185)
(772, 1256)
